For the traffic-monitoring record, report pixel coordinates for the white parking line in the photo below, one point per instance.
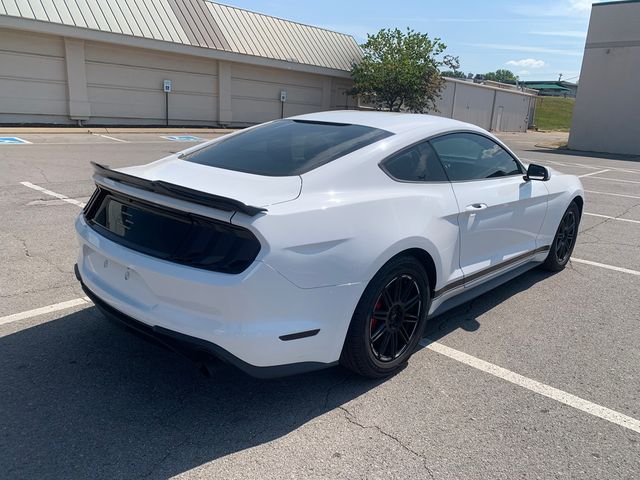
(565, 164)
(64, 198)
(111, 138)
(593, 173)
(604, 265)
(590, 167)
(612, 194)
(610, 179)
(617, 169)
(477, 363)
(611, 218)
(42, 310)
(535, 386)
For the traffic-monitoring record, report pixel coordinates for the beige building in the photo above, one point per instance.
(606, 117)
(106, 62)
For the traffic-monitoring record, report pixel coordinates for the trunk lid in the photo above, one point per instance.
(254, 190)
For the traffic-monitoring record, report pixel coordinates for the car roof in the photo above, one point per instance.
(394, 122)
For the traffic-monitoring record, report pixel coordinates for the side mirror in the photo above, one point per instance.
(537, 172)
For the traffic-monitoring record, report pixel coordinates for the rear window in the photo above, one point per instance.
(286, 147)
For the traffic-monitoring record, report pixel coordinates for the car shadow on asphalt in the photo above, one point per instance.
(466, 316)
(82, 398)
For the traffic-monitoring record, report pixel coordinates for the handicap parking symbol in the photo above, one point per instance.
(184, 138)
(12, 141)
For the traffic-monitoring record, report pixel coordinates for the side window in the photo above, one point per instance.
(467, 156)
(415, 164)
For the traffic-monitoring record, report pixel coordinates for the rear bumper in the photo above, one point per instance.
(252, 320)
(185, 343)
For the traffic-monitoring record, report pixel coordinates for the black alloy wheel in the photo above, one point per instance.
(566, 236)
(564, 241)
(389, 319)
(394, 318)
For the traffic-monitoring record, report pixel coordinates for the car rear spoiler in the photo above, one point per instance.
(177, 191)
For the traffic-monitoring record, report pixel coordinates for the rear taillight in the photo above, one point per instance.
(171, 235)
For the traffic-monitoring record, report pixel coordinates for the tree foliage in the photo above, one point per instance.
(501, 75)
(401, 70)
(454, 74)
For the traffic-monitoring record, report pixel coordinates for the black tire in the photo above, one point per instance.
(388, 317)
(564, 241)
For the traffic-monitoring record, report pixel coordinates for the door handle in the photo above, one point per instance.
(474, 207)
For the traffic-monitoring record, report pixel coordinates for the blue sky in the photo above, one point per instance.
(537, 40)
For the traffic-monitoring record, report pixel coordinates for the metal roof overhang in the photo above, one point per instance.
(18, 23)
(546, 86)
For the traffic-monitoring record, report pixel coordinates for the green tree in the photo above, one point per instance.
(454, 74)
(401, 70)
(501, 75)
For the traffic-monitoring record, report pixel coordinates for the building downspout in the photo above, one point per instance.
(453, 102)
(493, 110)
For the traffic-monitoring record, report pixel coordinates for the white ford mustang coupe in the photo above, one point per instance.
(319, 239)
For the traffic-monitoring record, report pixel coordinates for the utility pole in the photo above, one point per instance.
(560, 77)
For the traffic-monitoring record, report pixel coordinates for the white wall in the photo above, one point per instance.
(473, 105)
(33, 79)
(606, 117)
(488, 107)
(339, 98)
(511, 112)
(255, 93)
(115, 84)
(125, 86)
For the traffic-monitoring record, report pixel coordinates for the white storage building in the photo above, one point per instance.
(497, 107)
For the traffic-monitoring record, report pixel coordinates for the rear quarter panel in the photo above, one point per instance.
(341, 236)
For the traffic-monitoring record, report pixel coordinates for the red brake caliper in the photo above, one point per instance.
(374, 322)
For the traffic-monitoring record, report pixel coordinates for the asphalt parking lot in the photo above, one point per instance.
(535, 379)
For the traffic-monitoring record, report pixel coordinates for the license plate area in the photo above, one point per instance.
(116, 278)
